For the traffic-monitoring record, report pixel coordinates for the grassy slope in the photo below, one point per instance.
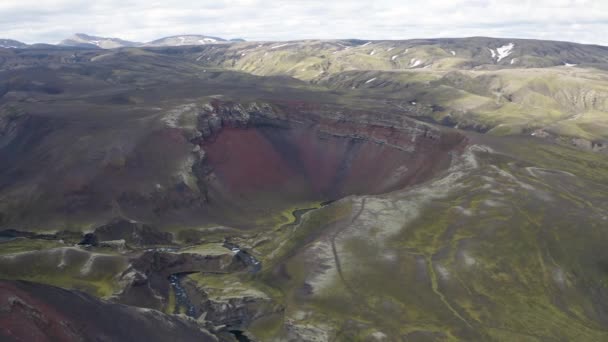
(514, 253)
(530, 89)
(68, 267)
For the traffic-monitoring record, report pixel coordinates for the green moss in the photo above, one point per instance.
(206, 249)
(310, 227)
(267, 328)
(68, 268)
(20, 245)
(171, 302)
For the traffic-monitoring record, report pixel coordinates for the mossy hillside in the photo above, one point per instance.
(311, 227)
(66, 267)
(221, 287)
(495, 260)
(268, 241)
(212, 249)
(587, 166)
(508, 267)
(559, 100)
(294, 57)
(233, 285)
(286, 241)
(171, 301)
(21, 245)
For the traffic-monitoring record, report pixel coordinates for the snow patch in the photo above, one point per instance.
(372, 53)
(493, 53)
(394, 57)
(389, 49)
(513, 61)
(370, 80)
(366, 44)
(570, 65)
(504, 51)
(279, 46)
(453, 53)
(207, 40)
(415, 62)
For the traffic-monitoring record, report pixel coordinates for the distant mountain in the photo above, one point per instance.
(190, 39)
(84, 40)
(87, 41)
(11, 44)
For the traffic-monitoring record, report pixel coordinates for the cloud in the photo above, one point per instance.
(145, 20)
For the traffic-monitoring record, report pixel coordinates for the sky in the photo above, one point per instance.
(49, 21)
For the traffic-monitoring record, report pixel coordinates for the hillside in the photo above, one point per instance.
(506, 86)
(344, 190)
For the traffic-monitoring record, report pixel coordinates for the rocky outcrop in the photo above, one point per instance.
(65, 236)
(216, 115)
(210, 122)
(134, 233)
(89, 239)
(165, 263)
(595, 146)
(145, 283)
(236, 307)
(227, 301)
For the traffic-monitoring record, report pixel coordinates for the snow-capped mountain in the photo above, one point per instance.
(84, 40)
(11, 44)
(190, 39)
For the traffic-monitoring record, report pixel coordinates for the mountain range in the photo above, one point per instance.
(87, 41)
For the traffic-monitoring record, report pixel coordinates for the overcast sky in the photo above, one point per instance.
(50, 21)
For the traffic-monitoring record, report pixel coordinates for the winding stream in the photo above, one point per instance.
(181, 296)
(298, 213)
(254, 265)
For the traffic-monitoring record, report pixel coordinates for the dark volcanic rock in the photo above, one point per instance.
(146, 282)
(167, 263)
(66, 236)
(134, 233)
(35, 312)
(89, 239)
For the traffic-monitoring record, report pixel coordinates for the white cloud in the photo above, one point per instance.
(144, 20)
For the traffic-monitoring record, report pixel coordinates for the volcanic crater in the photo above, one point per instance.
(262, 157)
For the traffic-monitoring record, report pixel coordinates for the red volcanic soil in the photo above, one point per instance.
(38, 313)
(323, 161)
(25, 318)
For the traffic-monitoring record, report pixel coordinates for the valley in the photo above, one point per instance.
(341, 190)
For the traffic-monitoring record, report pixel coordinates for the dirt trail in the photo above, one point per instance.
(335, 251)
